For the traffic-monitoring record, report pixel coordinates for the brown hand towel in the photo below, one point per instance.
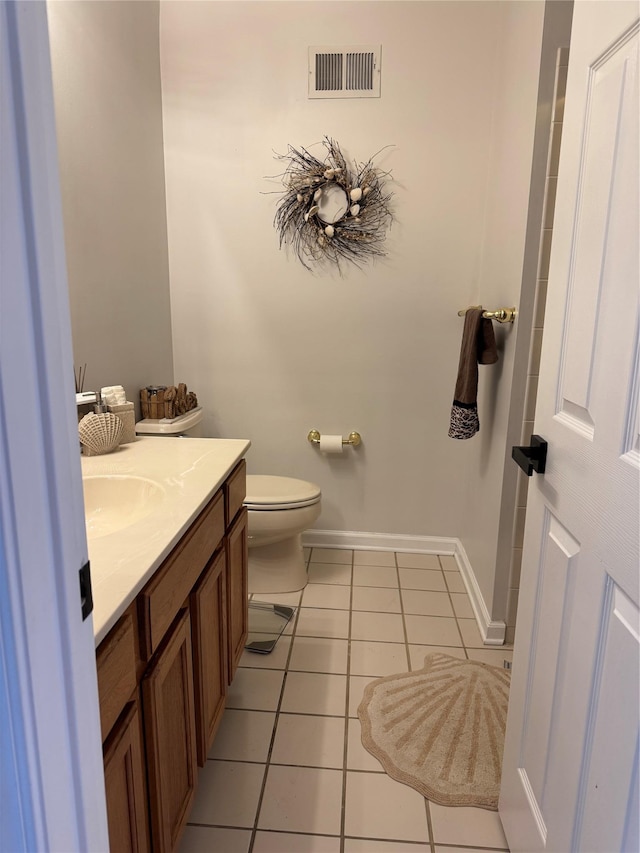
(478, 347)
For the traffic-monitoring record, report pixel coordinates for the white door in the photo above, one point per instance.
(570, 771)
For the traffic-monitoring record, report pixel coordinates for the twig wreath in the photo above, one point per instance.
(331, 212)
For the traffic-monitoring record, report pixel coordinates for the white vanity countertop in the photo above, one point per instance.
(190, 471)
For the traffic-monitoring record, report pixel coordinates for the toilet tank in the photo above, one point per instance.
(188, 425)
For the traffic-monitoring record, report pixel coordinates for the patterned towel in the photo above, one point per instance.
(478, 347)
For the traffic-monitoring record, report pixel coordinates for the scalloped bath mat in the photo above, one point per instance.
(440, 729)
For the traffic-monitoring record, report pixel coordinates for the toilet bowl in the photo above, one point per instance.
(279, 510)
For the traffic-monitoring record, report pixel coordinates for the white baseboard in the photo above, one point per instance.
(492, 632)
(313, 538)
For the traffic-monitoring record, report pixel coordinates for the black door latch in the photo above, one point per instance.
(531, 458)
(86, 596)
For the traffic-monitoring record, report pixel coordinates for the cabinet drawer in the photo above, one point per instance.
(235, 490)
(116, 663)
(164, 595)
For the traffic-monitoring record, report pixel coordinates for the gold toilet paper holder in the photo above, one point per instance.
(353, 440)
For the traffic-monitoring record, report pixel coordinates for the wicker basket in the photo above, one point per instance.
(100, 434)
(152, 404)
(166, 402)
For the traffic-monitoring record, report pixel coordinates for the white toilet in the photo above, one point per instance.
(279, 510)
(188, 425)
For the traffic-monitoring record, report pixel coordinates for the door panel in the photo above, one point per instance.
(598, 808)
(608, 103)
(559, 559)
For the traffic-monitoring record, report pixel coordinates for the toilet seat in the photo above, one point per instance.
(265, 492)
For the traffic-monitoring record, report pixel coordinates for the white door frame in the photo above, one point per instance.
(51, 772)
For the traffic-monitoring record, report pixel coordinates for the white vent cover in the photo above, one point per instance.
(345, 72)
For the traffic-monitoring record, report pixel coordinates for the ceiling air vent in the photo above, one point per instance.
(344, 72)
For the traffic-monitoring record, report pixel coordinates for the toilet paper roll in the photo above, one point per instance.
(331, 444)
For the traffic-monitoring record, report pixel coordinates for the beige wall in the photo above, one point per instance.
(106, 73)
(271, 349)
(274, 350)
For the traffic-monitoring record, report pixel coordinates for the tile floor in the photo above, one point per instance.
(287, 772)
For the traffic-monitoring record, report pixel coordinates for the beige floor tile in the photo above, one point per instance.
(418, 654)
(289, 842)
(422, 579)
(332, 555)
(309, 740)
(448, 562)
(418, 561)
(471, 635)
(195, 839)
(357, 756)
(357, 683)
(385, 627)
(243, 736)
(364, 845)
(376, 598)
(330, 573)
(462, 605)
(375, 576)
(432, 631)
(422, 603)
(314, 693)
(454, 582)
(466, 826)
(228, 793)
(301, 810)
(302, 799)
(378, 807)
(323, 622)
(326, 595)
(277, 659)
(377, 659)
(374, 558)
(318, 654)
(255, 689)
(494, 657)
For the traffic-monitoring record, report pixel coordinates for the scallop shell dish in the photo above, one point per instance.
(100, 434)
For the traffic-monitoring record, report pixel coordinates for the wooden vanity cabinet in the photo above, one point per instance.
(236, 547)
(237, 595)
(118, 664)
(163, 672)
(170, 734)
(125, 784)
(208, 606)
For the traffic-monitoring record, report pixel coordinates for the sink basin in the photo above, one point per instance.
(115, 501)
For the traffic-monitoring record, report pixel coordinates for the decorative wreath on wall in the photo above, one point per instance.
(331, 212)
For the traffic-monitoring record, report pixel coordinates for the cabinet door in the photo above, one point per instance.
(208, 604)
(170, 736)
(237, 602)
(124, 776)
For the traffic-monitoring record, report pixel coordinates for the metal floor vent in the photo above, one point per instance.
(345, 72)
